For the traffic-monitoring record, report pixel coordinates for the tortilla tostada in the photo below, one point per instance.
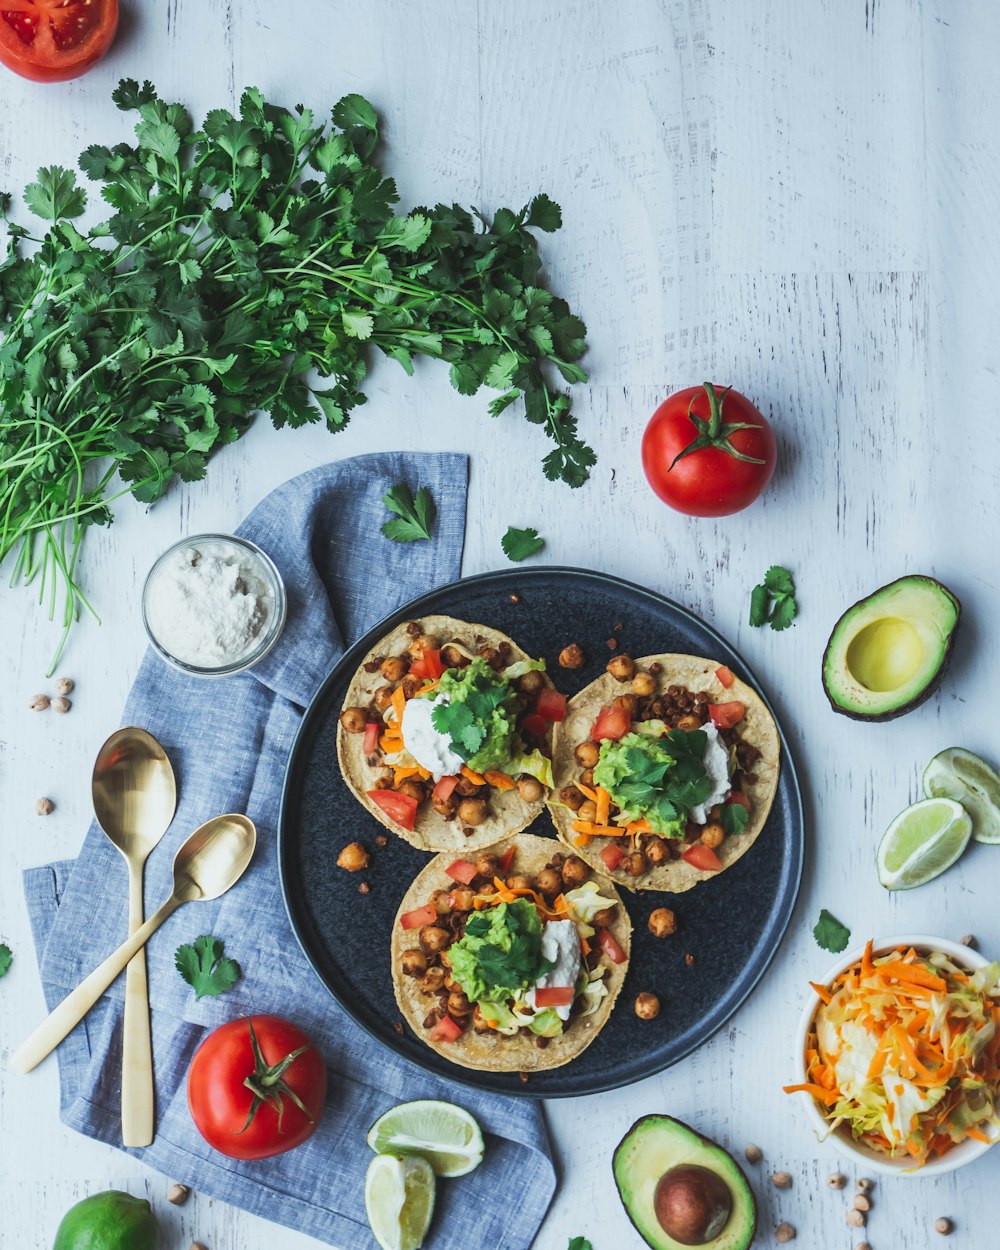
(512, 961)
(664, 771)
(445, 735)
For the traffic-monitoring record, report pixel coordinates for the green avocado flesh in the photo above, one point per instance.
(108, 1221)
(681, 1189)
(887, 653)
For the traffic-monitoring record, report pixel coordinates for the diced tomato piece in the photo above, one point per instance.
(398, 807)
(462, 870)
(508, 858)
(739, 797)
(551, 704)
(419, 917)
(446, 1030)
(609, 945)
(612, 854)
(703, 857)
(725, 675)
(445, 788)
(433, 667)
(555, 996)
(535, 726)
(726, 715)
(371, 737)
(613, 723)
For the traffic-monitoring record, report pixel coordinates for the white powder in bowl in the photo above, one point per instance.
(209, 603)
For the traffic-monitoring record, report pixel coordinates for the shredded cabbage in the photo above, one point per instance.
(520, 667)
(585, 902)
(533, 764)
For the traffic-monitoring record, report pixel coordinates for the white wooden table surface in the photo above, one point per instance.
(798, 198)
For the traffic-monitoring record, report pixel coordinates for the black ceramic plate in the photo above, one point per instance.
(730, 924)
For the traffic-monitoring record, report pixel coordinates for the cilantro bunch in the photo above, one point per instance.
(249, 265)
(659, 778)
(500, 953)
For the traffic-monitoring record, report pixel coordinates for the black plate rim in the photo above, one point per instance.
(791, 880)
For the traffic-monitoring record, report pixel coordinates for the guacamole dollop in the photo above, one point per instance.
(500, 954)
(478, 713)
(658, 779)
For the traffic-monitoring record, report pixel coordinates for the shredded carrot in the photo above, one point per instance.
(390, 743)
(585, 947)
(822, 991)
(902, 971)
(397, 703)
(978, 1135)
(603, 801)
(582, 839)
(639, 826)
(475, 778)
(499, 780)
(401, 772)
(431, 685)
(599, 831)
(867, 967)
(828, 1096)
(586, 792)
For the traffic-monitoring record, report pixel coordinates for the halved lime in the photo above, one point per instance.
(922, 842)
(445, 1135)
(958, 774)
(399, 1199)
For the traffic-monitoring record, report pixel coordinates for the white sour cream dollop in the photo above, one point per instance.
(432, 750)
(717, 767)
(561, 946)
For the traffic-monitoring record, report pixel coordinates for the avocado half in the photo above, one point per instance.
(888, 652)
(682, 1189)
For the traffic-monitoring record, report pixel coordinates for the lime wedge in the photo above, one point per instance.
(958, 774)
(922, 842)
(399, 1199)
(445, 1135)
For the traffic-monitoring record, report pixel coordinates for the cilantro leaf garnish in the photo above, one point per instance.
(205, 968)
(663, 787)
(830, 934)
(6, 958)
(481, 696)
(415, 515)
(734, 817)
(55, 196)
(519, 544)
(579, 1243)
(773, 601)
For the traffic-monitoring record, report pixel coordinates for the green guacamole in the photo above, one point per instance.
(479, 716)
(499, 955)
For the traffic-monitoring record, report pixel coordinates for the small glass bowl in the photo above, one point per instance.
(268, 573)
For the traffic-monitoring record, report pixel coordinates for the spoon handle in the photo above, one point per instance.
(64, 1018)
(137, 1042)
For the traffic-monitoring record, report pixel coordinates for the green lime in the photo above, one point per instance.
(922, 842)
(958, 774)
(108, 1221)
(445, 1135)
(399, 1199)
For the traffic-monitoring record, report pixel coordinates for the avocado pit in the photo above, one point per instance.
(693, 1204)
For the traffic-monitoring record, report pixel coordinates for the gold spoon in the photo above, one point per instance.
(212, 860)
(135, 797)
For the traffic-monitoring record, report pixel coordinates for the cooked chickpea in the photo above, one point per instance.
(412, 684)
(445, 807)
(472, 811)
(354, 720)
(458, 1004)
(412, 789)
(434, 938)
(422, 643)
(519, 882)
(621, 668)
(571, 797)
(587, 754)
(414, 962)
(574, 872)
(587, 810)
(635, 864)
(713, 835)
(572, 656)
(442, 901)
(587, 778)
(451, 657)
(531, 682)
(604, 917)
(490, 654)
(479, 1021)
(656, 851)
(625, 703)
(432, 980)
(462, 898)
(548, 881)
(689, 723)
(643, 685)
(466, 788)
(530, 789)
(353, 857)
(383, 697)
(393, 668)
(647, 1006)
(487, 866)
(662, 922)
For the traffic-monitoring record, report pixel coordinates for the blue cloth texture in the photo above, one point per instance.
(229, 741)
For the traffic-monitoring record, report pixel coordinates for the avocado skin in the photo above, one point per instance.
(935, 681)
(732, 1237)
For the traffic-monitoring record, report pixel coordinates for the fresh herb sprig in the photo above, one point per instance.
(830, 934)
(241, 261)
(6, 959)
(414, 515)
(667, 789)
(205, 968)
(773, 601)
(519, 544)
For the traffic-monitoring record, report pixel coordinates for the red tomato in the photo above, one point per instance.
(419, 916)
(739, 798)
(462, 870)
(610, 946)
(703, 857)
(508, 858)
(725, 675)
(238, 1074)
(555, 996)
(726, 715)
(707, 453)
(613, 723)
(54, 40)
(432, 663)
(445, 788)
(398, 807)
(551, 704)
(371, 737)
(446, 1030)
(612, 854)
(535, 726)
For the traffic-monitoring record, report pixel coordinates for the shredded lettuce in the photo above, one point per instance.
(533, 764)
(546, 1023)
(585, 902)
(520, 667)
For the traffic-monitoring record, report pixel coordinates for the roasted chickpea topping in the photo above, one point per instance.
(442, 901)
(490, 654)
(432, 980)
(689, 723)
(603, 918)
(413, 628)
(587, 810)
(414, 962)
(587, 777)
(412, 684)
(656, 850)
(571, 797)
(445, 807)
(519, 882)
(574, 872)
(647, 1006)
(530, 789)
(662, 922)
(383, 697)
(625, 703)
(643, 685)
(412, 789)
(353, 857)
(531, 683)
(487, 865)
(713, 836)
(434, 938)
(458, 1004)
(393, 668)
(621, 667)
(462, 897)
(353, 719)
(587, 754)
(635, 864)
(451, 657)
(548, 881)
(572, 656)
(383, 782)
(466, 788)
(422, 643)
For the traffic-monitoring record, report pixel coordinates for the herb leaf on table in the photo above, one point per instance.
(205, 968)
(6, 959)
(519, 544)
(773, 601)
(579, 1243)
(414, 515)
(830, 934)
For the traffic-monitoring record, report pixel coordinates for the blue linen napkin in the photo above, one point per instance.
(229, 741)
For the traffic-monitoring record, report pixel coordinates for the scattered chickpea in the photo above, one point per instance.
(472, 811)
(382, 697)
(462, 898)
(458, 1004)
(178, 1194)
(604, 917)
(452, 657)
(662, 922)
(412, 788)
(689, 960)
(657, 851)
(422, 643)
(836, 1180)
(432, 980)
(414, 962)
(625, 703)
(61, 705)
(530, 789)
(753, 1154)
(531, 683)
(381, 839)
(861, 1203)
(781, 1180)
(647, 1006)
(944, 1226)
(572, 656)
(353, 857)
(38, 702)
(515, 598)
(784, 1232)
(65, 685)
(393, 668)
(689, 723)
(621, 668)
(519, 882)
(643, 685)
(863, 1185)
(43, 807)
(612, 644)
(969, 941)
(713, 835)
(856, 1219)
(353, 720)
(442, 902)
(587, 754)
(862, 1245)
(197, 1245)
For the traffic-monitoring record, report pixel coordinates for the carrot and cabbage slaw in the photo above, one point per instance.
(904, 1050)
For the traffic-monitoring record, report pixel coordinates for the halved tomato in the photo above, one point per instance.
(55, 40)
(398, 807)
(555, 996)
(703, 857)
(613, 723)
(726, 715)
(551, 704)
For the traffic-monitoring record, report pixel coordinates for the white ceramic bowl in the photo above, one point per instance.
(841, 1139)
